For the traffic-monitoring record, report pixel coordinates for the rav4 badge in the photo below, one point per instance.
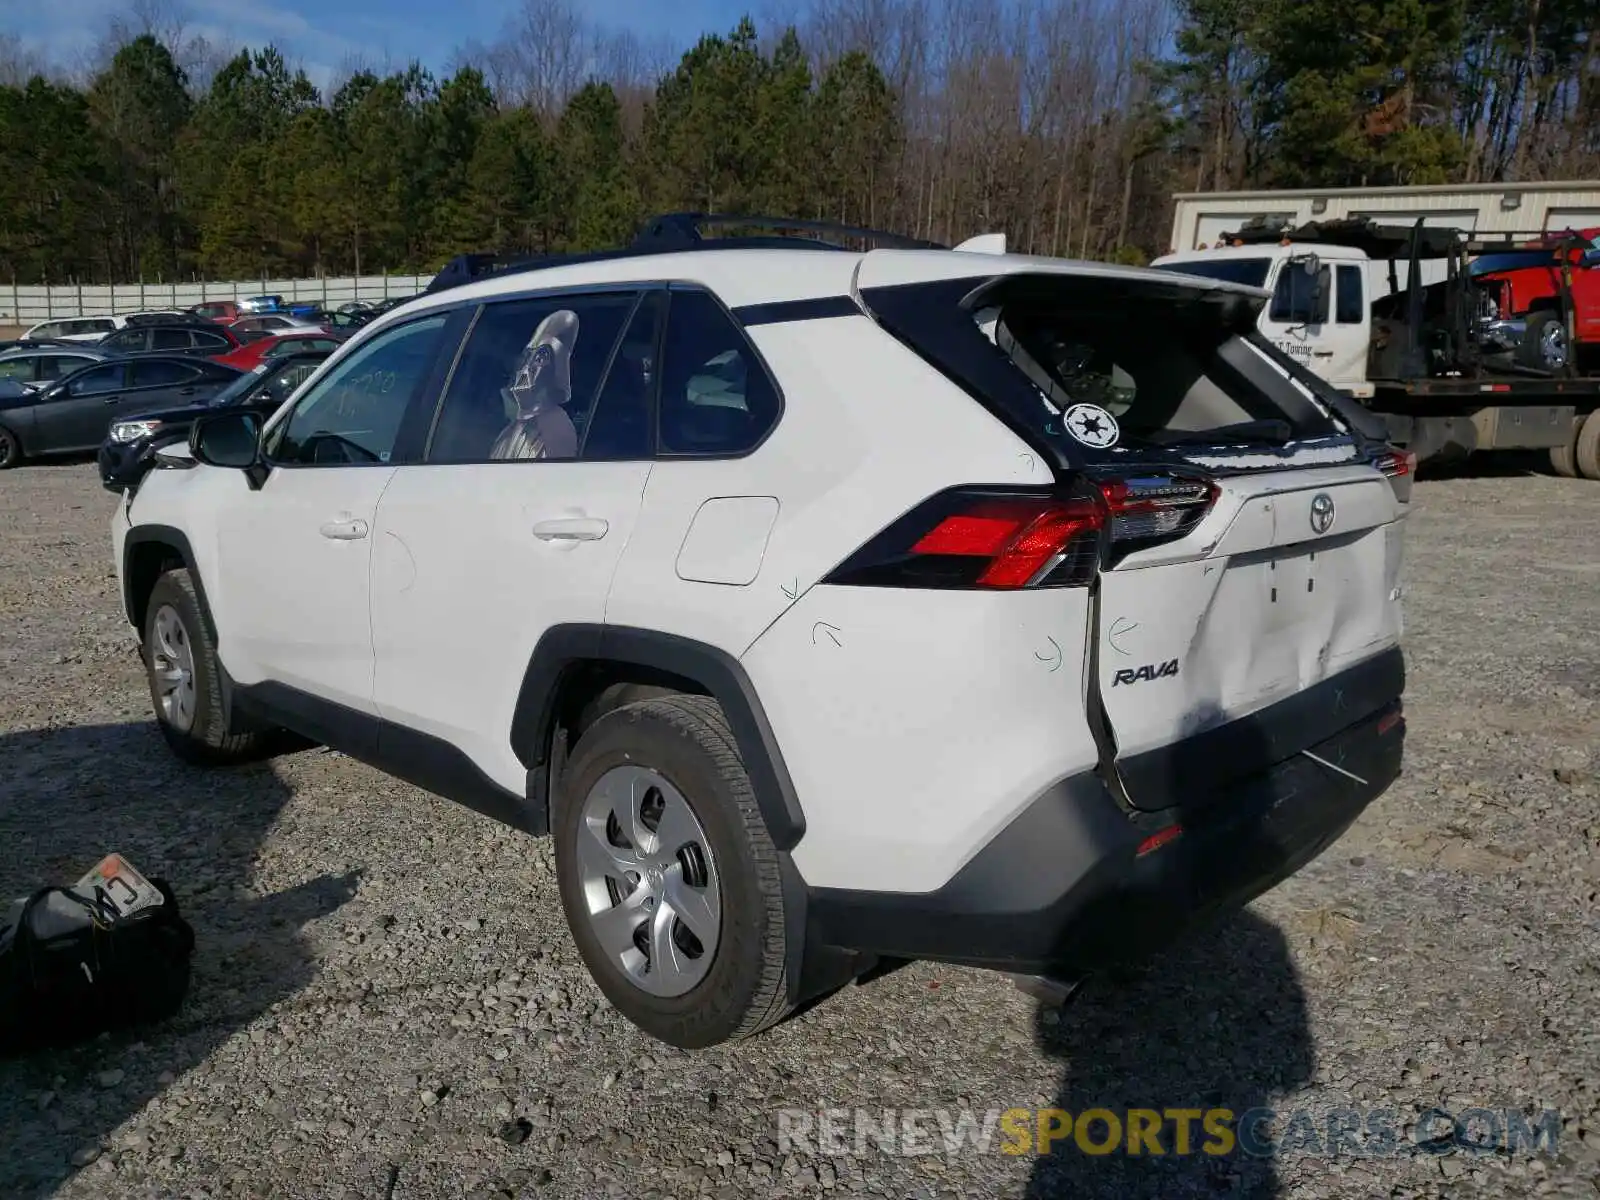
(1146, 673)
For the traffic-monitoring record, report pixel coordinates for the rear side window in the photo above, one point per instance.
(1351, 302)
(206, 340)
(160, 373)
(619, 428)
(716, 397)
(527, 379)
(170, 339)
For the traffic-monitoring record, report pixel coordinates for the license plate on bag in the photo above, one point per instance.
(115, 885)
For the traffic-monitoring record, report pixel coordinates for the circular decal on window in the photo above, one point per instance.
(1092, 425)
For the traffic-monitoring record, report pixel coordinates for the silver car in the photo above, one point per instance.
(38, 366)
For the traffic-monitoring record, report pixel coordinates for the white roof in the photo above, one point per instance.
(770, 276)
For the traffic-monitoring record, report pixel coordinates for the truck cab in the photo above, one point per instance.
(1321, 308)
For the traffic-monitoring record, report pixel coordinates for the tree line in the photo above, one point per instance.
(1066, 124)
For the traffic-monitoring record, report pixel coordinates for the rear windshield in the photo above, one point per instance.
(1252, 272)
(1175, 369)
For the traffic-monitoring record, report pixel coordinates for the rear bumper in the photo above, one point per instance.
(1064, 890)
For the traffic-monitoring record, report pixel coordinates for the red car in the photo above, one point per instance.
(250, 355)
(221, 311)
(1524, 287)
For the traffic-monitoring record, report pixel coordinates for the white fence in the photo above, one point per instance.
(21, 304)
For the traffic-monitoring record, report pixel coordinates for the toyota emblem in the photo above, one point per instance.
(1321, 512)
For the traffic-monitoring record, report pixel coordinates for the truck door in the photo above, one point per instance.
(1297, 317)
(1347, 338)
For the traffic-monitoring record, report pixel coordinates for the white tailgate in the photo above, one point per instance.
(1252, 607)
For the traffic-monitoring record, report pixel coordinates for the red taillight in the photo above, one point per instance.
(1023, 540)
(1159, 508)
(1400, 466)
(1157, 840)
(977, 538)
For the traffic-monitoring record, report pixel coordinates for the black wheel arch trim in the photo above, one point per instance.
(175, 540)
(565, 647)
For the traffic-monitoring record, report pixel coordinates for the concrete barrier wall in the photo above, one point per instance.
(24, 305)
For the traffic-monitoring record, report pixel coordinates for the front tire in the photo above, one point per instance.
(1544, 343)
(185, 679)
(668, 875)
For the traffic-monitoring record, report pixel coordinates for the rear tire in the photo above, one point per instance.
(720, 972)
(1563, 459)
(10, 449)
(1586, 447)
(185, 678)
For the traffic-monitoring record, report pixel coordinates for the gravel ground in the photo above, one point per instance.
(386, 1002)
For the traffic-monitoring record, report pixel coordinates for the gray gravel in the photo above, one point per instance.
(386, 1002)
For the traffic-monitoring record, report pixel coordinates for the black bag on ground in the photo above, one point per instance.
(71, 969)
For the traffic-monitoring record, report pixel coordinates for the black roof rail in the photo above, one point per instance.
(677, 232)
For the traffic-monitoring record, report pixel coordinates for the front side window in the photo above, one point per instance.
(1300, 297)
(128, 339)
(353, 415)
(716, 398)
(58, 329)
(527, 379)
(23, 370)
(97, 381)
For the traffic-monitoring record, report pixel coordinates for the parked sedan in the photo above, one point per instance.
(250, 355)
(73, 414)
(129, 451)
(247, 328)
(37, 366)
(189, 337)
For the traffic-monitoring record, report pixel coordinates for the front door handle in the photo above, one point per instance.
(1322, 353)
(111, 399)
(571, 529)
(349, 529)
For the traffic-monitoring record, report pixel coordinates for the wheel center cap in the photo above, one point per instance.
(655, 877)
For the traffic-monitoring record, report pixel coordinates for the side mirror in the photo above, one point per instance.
(231, 440)
(1311, 265)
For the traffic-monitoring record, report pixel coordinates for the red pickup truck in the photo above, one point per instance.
(1522, 310)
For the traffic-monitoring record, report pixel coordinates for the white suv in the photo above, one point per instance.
(829, 608)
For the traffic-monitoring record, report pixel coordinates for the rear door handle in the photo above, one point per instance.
(351, 529)
(571, 529)
(111, 399)
(1322, 353)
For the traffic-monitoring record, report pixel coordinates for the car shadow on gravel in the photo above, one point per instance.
(72, 795)
(1218, 1023)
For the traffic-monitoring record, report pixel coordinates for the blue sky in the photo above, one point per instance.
(322, 34)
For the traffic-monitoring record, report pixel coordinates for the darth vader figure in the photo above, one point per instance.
(540, 387)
